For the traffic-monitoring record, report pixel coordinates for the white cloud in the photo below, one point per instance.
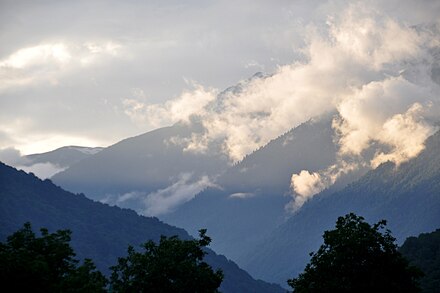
(373, 41)
(42, 170)
(47, 63)
(164, 200)
(241, 195)
(181, 109)
(48, 54)
(61, 70)
(392, 109)
(134, 195)
(37, 55)
(305, 185)
(183, 190)
(12, 157)
(366, 65)
(406, 134)
(367, 114)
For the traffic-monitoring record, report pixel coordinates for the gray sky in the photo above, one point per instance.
(66, 67)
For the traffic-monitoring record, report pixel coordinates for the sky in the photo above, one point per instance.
(66, 67)
(70, 71)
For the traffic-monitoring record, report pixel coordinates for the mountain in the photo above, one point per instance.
(239, 204)
(142, 165)
(155, 164)
(408, 197)
(253, 195)
(424, 252)
(100, 232)
(309, 146)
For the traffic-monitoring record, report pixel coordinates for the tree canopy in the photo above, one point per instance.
(424, 252)
(173, 265)
(29, 263)
(357, 257)
(46, 263)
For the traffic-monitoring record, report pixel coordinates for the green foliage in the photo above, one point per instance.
(424, 252)
(174, 265)
(45, 264)
(357, 257)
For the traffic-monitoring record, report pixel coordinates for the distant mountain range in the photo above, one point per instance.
(243, 204)
(408, 197)
(244, 207)
(100, 232)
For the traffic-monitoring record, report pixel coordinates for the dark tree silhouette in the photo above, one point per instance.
(173, 265)
(357, 257)
(45, 264)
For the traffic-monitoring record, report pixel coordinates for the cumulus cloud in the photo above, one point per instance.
(307, 184)
(183, 190)
(406, 134)
(367, 115)
(403, 132)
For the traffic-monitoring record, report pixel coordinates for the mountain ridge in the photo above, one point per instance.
(254, 192)
(145, 163)
(408, 197)
(100, 232)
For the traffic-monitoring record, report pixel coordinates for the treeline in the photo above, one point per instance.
(355, 257)
(46, 263)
